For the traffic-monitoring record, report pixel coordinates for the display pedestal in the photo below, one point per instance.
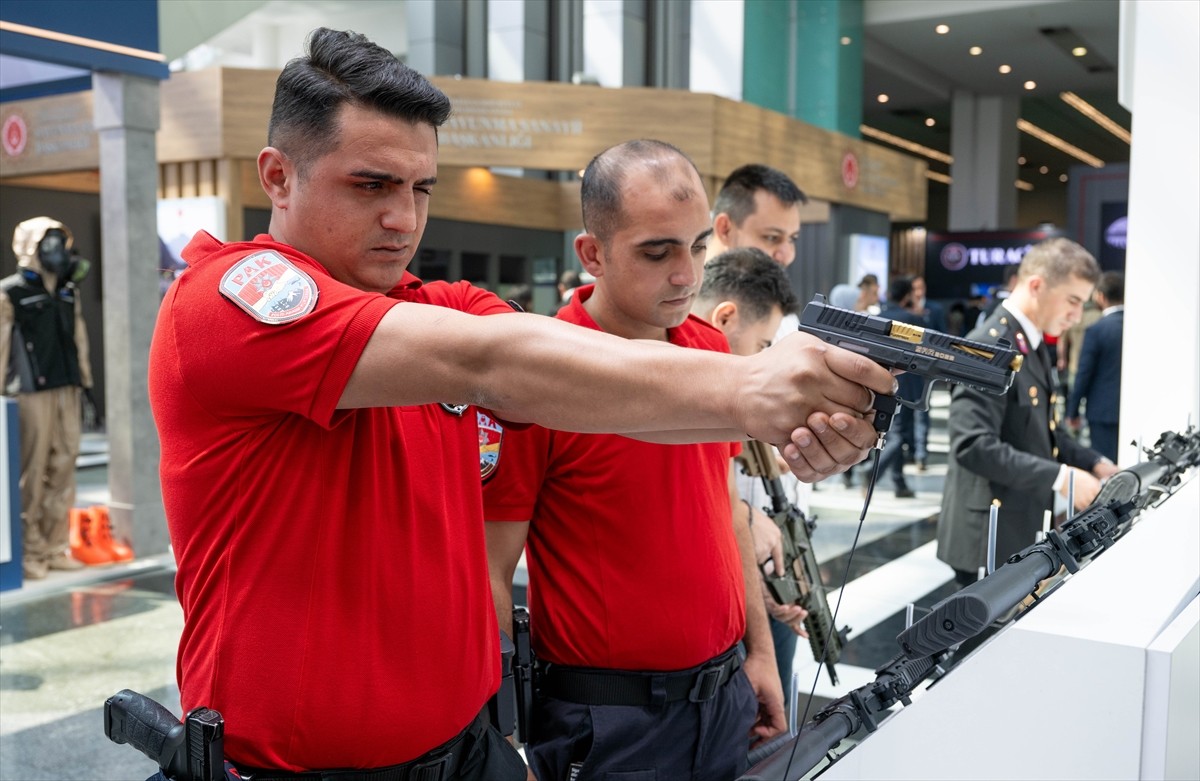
(1100, 681)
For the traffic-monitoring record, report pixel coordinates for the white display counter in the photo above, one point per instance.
(1100, 681)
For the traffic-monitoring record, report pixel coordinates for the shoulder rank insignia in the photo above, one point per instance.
(270, 288)
(491, 437)
(1022, 345)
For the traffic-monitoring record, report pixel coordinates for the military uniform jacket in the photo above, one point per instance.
(1007, 448)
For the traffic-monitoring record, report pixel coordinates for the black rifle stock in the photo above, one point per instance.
(192, 750)
(931, 355)
(800, 582)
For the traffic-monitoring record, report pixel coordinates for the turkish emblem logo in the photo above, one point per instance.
(270, 288)
(491, 436)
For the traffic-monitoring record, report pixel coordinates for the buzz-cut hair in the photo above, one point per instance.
(736, 197)
(1112, 287)
(1058, 261)
(600, 193)
(751, 279)
(342, 68)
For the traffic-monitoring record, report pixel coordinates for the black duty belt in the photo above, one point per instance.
(593, 686)
(440, 764)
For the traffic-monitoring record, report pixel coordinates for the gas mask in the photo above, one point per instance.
(52, 252)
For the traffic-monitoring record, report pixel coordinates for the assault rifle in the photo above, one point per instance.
(800, 581)
(928, 645)
(1121, 500)
(931, 355)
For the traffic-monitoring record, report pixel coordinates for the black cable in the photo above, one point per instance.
(841, 593)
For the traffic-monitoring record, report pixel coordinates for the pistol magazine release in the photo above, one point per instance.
(930, 354)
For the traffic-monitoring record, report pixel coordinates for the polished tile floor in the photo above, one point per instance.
(72, 640)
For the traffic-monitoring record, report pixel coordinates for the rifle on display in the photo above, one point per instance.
(800, 582)
(928, 645)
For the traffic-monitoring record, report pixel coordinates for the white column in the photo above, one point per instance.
(984, 145)
(1160, 80)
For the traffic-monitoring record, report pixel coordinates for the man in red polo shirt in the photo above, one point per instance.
(637, 584)
(318, 473)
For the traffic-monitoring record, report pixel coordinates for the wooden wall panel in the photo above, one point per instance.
(246, 97)
(190, 109)
(478, 195)
(53, 134)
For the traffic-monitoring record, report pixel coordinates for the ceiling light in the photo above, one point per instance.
(1022, 185)
(935, 176)
(1062, 178)
(904, 143)
(942, 29)
(1021, 160)
(1056, 142)
(976, 51)
(930, 121)
(846, 40)
(1079, 51)
(1031, 85)
(1094, 114)
(882, 98)
(1044, 170)
(1006, 69)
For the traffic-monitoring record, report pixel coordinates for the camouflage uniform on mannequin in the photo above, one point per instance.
(46, 367)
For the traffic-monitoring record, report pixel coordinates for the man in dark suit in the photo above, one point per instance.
(1009, 448)
(1098, 378)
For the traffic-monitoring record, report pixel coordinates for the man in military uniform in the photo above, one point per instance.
(45, 355)
(1009, 448)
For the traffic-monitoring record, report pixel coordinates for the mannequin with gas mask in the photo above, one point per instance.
(44, 352)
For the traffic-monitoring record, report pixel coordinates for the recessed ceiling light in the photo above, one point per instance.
(942, 29)
(1044, 170)
(1062, 177)
(882, 98)
(1006, 69)
(930, 122)
(1079, 51)
(976, 51)
(846, 40)
(1031, 85)
(1021, 160)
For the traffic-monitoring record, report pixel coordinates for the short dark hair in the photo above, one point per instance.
(749, 277)
(1112, 287)
(339, 68)
(899, 289)
(868, 279)
(600, 193)
(736, 197)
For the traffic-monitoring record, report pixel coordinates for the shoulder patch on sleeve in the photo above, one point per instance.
(270, 288)
(491, 437)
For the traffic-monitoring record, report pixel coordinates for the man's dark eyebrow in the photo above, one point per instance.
(382, 177)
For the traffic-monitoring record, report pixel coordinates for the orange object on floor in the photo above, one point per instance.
(85, 543)
(102, 525)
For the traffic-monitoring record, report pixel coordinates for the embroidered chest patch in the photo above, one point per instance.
(491, 436)
(269, 288)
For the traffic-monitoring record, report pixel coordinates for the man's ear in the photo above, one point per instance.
(276, 174)
(724, 315)
(590, 254)
(722, 227)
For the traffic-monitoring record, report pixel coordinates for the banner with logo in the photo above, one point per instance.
(956, 264)
(1114, 222)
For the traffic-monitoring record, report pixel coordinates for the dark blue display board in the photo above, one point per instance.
(958, 265)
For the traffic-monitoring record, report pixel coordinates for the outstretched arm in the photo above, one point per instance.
(533, 369)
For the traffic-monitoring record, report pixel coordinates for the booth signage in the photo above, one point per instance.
(959, 265)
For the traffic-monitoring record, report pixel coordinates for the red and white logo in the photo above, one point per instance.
(14, 135)
(850, 170)
(491, 436)
(270, 288)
